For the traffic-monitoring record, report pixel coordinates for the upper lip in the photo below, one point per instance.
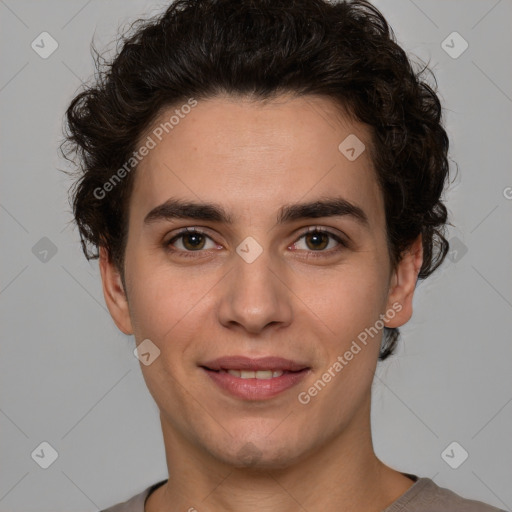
(254, 364)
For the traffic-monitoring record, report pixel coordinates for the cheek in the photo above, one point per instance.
(165, 303)
(156, 301)
(164, 307)
(352, 299)
(349, 305)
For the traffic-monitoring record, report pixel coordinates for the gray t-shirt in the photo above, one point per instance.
(423, 496)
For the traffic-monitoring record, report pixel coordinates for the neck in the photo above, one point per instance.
(343, 474)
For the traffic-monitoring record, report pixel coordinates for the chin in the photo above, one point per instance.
(259, 455)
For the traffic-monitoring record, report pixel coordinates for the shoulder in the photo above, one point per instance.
(135, 503)
(426, 496)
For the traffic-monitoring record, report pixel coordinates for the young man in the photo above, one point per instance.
(262, 180)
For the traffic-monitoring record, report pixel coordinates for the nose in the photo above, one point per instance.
(255, 294)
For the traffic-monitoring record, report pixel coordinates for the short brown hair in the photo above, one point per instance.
(260, 48)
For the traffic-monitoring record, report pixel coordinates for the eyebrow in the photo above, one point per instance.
(330, 207)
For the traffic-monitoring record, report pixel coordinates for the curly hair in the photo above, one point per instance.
(343, 51)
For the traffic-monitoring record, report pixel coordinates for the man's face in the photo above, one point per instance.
(257, 287)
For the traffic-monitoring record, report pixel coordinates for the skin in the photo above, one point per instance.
(224, 453)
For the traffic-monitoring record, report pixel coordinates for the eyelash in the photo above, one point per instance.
(314, 254)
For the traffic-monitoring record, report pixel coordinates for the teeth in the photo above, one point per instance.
(260, 374)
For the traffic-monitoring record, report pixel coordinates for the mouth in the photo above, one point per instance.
(244, 363)
(255, 379)
(250, 374)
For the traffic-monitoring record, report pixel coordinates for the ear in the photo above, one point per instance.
(114, 293)
(403, 283)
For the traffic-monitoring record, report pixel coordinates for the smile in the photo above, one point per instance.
(259, 374)
(255, 385)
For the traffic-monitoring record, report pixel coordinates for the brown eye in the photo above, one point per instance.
(191, 240)
(317, 241)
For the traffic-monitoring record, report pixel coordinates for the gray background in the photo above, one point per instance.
(69, 377)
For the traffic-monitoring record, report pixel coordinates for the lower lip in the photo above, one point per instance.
(256, 389)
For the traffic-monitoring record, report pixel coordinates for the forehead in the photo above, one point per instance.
(252, 157)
